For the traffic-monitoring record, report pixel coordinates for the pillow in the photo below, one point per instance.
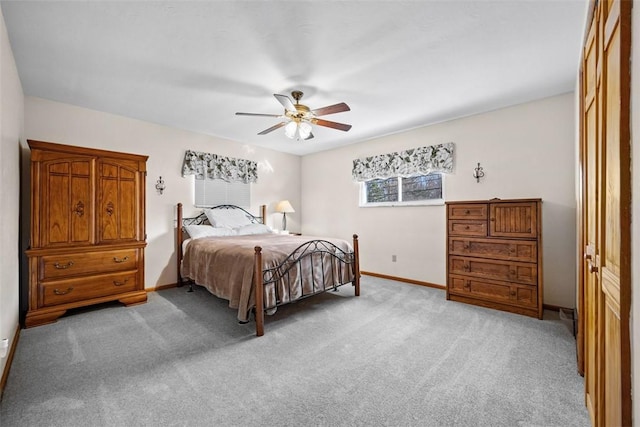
(197, 231)
(253, 229)
(228, 218)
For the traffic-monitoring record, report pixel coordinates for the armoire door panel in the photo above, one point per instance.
(80, 210)
(127, 205)
(108, 170)
(109, 209)
(119, 198)
(57, 206)
(66, 203)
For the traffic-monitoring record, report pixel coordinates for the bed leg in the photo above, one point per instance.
(356, 265)
(259, 290)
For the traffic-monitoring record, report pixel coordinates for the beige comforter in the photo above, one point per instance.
(224, 265)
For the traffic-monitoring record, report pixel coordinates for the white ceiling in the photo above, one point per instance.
(397, 64)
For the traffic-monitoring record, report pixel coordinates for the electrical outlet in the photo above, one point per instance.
(4, 345)
(394, 258)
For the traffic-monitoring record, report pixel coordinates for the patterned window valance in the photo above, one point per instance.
(212, 166)
(416, 161)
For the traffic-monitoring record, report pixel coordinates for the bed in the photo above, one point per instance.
(233, 254)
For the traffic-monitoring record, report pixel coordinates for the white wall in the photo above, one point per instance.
(526, 151)
(278, 173)
(11, 129)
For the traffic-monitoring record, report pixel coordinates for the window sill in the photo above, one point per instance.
(439, 202)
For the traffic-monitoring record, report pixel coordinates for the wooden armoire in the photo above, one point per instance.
(87, 235)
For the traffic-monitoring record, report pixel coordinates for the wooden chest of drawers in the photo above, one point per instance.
(494, 254)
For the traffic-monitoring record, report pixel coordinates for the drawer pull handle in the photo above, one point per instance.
(467, 212)
(513, 293)
(467, 227)
(593, 269)
(116, 259)
(465, 247)
(587, 256)
(59, 292)
(116, 283)
(466, 267)
(63, 266)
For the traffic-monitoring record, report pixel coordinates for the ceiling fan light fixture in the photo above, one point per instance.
(298, 118)
(290, 129)
(304, 130)
(297, 130)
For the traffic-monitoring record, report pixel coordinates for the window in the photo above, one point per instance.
(415, 190)
(213, 192)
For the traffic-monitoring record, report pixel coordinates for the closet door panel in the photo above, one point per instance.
(605, 286)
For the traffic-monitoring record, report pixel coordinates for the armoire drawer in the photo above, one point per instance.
(82, 288)
(461, 227)
(468, 211)
(494, 291)
(83, 263)
(519, 272)
(510, 250)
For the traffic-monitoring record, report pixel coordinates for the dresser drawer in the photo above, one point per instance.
(460, 227)
(494, 269)
(467, 211)
(82, 288)
(75, 264)
(511, 250)
(494, 291)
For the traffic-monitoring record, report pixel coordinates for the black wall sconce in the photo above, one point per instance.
(160, 185)
(478, 173)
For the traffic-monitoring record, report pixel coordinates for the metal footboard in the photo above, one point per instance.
(314, 267)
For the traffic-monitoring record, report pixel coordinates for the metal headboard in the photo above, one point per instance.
(201, 219)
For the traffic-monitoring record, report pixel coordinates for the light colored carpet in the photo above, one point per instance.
(399, 355)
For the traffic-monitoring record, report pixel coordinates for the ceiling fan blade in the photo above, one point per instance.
(331, 109)
(334, 125)
(272, 128)
(259, 114)
(286, 102)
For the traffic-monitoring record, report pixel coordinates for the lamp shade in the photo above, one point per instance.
(284, 206)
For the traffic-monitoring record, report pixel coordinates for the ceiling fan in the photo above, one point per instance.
(298, 118)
